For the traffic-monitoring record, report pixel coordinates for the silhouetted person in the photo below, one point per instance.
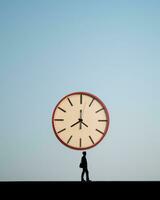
(83, 165)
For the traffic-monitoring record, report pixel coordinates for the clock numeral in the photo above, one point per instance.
(61, 109)
(99, 131)
(91, 139)
(91, 102)
(103, 120)
(69, 139)
(80, 98)
(58, 119)
(80, 142)
(99, 110)
(70, 101)
(61, 130)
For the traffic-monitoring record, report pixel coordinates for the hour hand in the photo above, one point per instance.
(75, 124)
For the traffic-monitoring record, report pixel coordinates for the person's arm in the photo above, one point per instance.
(82, 160)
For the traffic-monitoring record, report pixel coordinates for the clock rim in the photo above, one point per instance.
(105, 131)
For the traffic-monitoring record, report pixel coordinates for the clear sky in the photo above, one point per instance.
(50, 48)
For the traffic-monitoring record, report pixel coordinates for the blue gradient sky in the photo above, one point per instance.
(51, 48)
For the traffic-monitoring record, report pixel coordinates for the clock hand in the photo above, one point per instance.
(80, 114)
(80, 125)
(80, 121)
(84, 124)
(75, 123)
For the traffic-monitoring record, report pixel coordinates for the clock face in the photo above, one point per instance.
(80, 120)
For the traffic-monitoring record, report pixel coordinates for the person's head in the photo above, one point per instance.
(84, 153)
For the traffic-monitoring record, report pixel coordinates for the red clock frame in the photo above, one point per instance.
(105, 109)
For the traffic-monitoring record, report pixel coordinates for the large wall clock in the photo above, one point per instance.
(80, 120)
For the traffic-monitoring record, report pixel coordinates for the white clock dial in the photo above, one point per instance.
(80, 120)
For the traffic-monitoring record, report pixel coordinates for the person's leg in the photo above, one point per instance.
(87, 175)
(82, 175)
